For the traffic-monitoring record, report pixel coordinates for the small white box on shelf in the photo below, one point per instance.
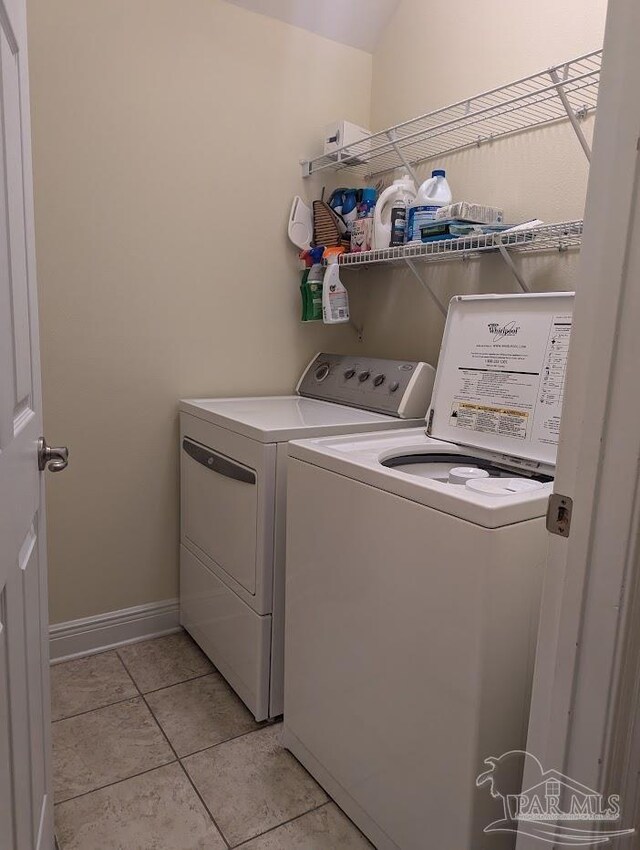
(341, 133)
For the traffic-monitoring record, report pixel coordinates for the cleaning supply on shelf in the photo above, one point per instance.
(475, 213)
(311, 284)
(335, 300)
(336, 201)
(349, 209)
(325, 224)
(344, 203)
(468, 228)
(362, 232)
(399, 215)
(300, 227)
(454, 229)
(390, 213)
(434, 231)
(305, 257)
(432, 194)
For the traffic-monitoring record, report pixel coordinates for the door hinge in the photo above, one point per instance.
(559, 514)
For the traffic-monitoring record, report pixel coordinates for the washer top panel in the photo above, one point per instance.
(425, 478)
(274, 419)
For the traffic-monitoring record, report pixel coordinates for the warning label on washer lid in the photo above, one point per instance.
(490, 420)
(508, 380)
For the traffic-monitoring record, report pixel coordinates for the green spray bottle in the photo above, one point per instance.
(311, 284)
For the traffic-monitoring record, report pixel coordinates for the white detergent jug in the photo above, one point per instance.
(433, 194)
(402, 192)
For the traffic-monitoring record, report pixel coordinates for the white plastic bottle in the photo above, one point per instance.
(397, 197)
(335, 300)
(433, 194)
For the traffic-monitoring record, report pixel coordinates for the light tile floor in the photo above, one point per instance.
(154, 751)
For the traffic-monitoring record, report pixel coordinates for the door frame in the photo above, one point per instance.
(582, 665)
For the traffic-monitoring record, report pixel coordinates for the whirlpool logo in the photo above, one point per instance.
(501, 331)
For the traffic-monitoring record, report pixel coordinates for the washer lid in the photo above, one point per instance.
(500, 379)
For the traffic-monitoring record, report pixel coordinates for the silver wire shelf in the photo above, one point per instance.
(568, 91)
(561, 236)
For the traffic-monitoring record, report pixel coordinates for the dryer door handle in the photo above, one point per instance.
(218, 463)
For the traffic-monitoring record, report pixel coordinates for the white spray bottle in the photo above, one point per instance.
(335, 300)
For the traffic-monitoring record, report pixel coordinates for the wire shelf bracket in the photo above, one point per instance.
(359, 330)
(410, 169)
(574, 115)
(412, 267)
(506, 256)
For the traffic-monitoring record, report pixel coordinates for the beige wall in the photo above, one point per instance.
(431, 55)
(157, 279)
(166, 141)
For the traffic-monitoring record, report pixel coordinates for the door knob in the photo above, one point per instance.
(55, 460)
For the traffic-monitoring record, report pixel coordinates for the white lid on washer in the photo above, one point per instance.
(500, 379)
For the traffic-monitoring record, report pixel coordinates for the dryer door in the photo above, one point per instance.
(222, 501)
(227, 504)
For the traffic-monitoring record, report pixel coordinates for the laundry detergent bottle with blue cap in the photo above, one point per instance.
(432, 194)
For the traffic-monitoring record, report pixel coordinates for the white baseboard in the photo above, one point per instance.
(105, 631)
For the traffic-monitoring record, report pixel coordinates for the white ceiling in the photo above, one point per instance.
(358, 23)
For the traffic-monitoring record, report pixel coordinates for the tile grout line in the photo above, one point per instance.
(272, 828)
(106, 705)
(128, 672)
(179, 759)
(219, 743)
(139, 696)
(284, 823)
(164, 687)
(157, 722)
(206, 808)
(96, 708)
(115, 782)
(186, 773)
(111, 784)
(198, 794)
(181, 682)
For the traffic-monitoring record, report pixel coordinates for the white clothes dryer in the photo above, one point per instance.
(414, 566)
(233, 499)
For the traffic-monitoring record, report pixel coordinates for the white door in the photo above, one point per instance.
(582, 688)
(26, 806)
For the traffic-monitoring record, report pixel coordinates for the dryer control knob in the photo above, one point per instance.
(379, 380)
(321, 372)
(364, 376)
(393, 387)
(349, 374)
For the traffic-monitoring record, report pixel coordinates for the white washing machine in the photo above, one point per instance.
(233, 502)
(414, 565)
